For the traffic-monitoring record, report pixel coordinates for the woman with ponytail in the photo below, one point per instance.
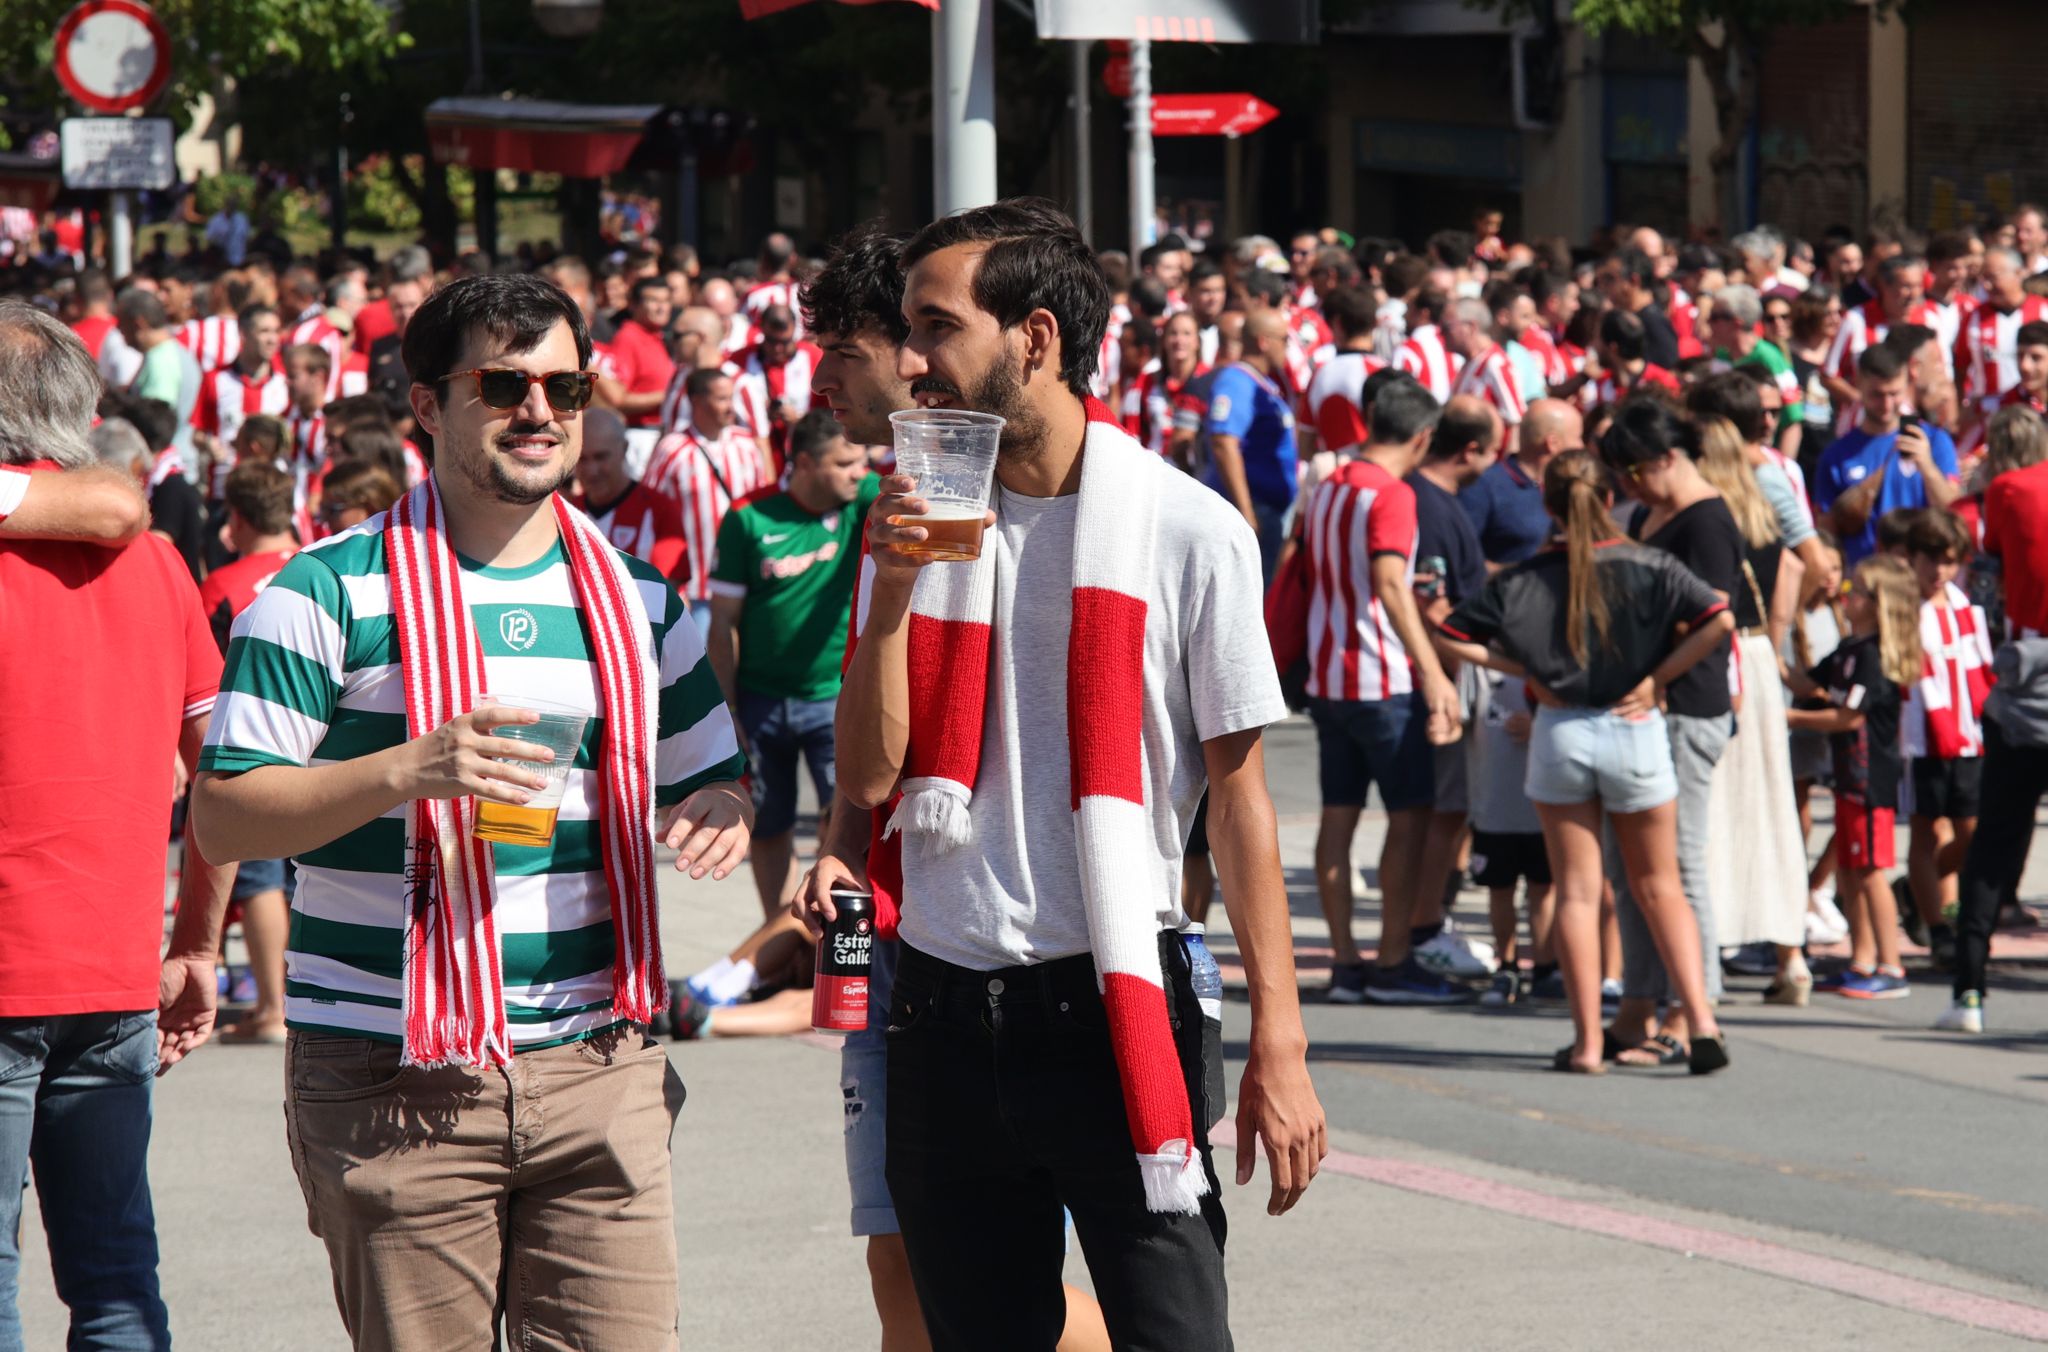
(1600, 628)
(1654, 453)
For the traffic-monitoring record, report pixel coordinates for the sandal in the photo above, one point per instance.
(1562, 1061)
(1709, 1054)
(1663, 1050)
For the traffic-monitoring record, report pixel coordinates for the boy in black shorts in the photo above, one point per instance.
(1507, 839)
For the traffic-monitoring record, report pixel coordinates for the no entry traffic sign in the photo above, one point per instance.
(113, 55)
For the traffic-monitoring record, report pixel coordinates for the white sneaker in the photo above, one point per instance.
(1825, 923)
(1966, 1015)
(1453, 954)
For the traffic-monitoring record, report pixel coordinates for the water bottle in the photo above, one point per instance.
(1207, 979)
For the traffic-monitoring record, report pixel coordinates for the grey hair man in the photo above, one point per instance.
(110, 672)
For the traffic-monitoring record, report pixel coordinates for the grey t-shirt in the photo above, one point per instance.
(1013, 896)
(1795, 528)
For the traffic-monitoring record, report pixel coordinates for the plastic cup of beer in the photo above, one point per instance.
(952, 455)
(560, 730)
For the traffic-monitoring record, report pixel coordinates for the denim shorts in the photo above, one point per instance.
(780, 732)
(1376, 741)
(257, 876)
(864, 1083)
(1578, 755)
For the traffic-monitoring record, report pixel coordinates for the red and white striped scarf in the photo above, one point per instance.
(454, 995)
(1109, 686)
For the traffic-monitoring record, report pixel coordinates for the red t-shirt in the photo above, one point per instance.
(103, 655)
(92, 331)
(229, 591)
(2016, 529)
(641, 359)
(372, 322)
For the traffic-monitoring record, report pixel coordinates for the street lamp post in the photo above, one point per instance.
(964, 105)
(1142, 208)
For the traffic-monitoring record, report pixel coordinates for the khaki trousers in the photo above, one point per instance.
(449, 1198)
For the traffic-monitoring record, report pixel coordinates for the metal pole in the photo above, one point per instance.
(1142, 207)
(964, 105)
(120, 236)
(340, 205)
(1084, 158)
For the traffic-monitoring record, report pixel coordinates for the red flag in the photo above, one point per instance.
(758, 9)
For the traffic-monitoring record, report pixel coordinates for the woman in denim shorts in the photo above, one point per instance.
(1599, 626)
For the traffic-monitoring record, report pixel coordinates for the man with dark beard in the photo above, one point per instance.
(439, 983)
(1044, 1037)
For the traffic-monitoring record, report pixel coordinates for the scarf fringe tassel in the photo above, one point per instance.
(1175, 1181)
(935, 811)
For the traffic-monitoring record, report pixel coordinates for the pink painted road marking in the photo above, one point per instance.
(1773, 1260)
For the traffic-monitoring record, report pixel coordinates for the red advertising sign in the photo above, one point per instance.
(1209, 114)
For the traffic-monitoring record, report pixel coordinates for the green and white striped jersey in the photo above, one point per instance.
(312, 678)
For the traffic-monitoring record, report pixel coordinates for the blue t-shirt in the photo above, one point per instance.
(1246, 405)
(1443, 532)
(1505, 506)
(1854, 458)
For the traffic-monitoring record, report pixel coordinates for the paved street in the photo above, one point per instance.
(1852, 1179)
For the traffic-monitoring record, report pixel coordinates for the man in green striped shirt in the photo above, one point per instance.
(446, 1193)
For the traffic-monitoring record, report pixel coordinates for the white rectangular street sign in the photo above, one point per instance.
(118, 153)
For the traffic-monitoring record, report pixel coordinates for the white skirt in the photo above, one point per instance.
(1756, 856)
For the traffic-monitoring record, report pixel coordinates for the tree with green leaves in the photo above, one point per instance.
(1726, 38)
(212, 41)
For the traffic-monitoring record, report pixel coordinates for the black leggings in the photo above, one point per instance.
(2015, 777)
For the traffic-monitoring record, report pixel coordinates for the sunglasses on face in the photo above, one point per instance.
(1778, 316)
(501, 387)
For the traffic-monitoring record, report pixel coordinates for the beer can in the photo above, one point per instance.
(839, 996)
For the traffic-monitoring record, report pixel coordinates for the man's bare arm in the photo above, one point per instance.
(93, 505)
(1229, 457)
(1276, 1101)
(186, 994)
(275, 811)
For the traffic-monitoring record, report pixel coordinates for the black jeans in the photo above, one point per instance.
(1004, 1105)
(2015, 777)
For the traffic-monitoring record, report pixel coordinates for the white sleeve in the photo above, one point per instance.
(1232, 685)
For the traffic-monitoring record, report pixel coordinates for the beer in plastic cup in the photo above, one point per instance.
(560, 729)
(952, 454)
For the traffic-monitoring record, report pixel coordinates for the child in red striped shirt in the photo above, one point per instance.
(1943, 730)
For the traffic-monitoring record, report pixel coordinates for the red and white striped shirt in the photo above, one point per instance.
(761, 297)
(1971, 441)
(1158, 396)
(348, 371)
(1945, 707)
(648, 525)
(1987, 358)
(1556, 371)
(1109, 361)
(1867, 324)
(227, 399)
(1357, 514)
(706, 477)
(214, 341)
(1313, 335)
(758, 388)
(1949, 317)
(1425, 357)
(675, 405)
(1490, 378)
(1336, 399)
(739, 334)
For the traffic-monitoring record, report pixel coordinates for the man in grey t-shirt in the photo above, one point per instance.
(998, 1028)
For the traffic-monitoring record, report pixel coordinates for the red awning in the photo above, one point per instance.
(576, 140)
